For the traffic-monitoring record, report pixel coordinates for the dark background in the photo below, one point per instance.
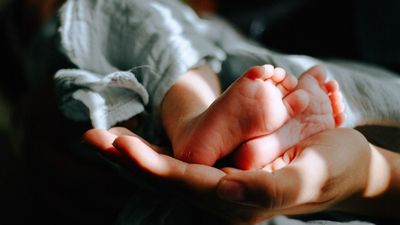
(42, 181)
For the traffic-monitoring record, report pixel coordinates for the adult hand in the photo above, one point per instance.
(194, 182)
(321, 172)
(336, 169)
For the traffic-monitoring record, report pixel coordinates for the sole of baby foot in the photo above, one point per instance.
(258, 103)
(325, 111)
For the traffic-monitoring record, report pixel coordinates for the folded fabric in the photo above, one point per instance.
(128, 54)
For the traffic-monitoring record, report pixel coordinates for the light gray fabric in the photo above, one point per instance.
(128, 54)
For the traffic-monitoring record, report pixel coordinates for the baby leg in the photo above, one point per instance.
(256, 104)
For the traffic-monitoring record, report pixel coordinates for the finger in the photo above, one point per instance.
(279, 163)
(145, 156)
(229, 170)
(196, 177)
(102, 140)
(120, 131)
(282, 161)
(295, 184)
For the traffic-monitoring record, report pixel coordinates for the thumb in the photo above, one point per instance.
(298, 183)
(258, 188)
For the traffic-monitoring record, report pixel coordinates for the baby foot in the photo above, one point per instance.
(258, 103)
(325, 111)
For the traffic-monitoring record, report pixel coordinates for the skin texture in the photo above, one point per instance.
(257, 103)
(311, 177)
(324, 111)
(252, 108)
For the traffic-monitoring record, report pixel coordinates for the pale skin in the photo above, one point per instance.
(348, 175)
(282, 186)
(248, 197)
(251, 114)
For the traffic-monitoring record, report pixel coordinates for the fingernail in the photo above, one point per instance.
(231, 191)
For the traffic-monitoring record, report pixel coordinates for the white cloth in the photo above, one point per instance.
(128, 54)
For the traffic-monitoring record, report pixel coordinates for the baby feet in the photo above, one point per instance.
(255, 105)
(325, 111)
